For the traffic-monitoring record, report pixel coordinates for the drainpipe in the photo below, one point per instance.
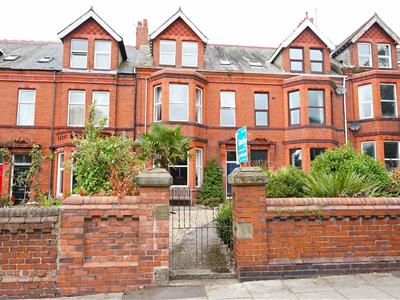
(345, 110)
(135, 102)
(51, 147)
(145, 105)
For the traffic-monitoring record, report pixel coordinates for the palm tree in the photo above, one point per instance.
(165, 145)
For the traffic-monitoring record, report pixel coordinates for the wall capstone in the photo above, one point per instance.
(247, 176)
(154, 177)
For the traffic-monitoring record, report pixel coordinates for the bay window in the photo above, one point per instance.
(316, 107)
(179, 102)
(295, 158)
(199, 167)
(167, 52)
(79, 53)
(366, 109)
(364, 55)
(102, 55)
(179, 172)
(261, 109)
(228, 108)
(26, 107)
(368, 148)
(388, 100)
(199, 105)
(60, 174)
(314, 152)
(294, 108)
(189, 54)
(384, 56)
(101, 101)
(76, 108)
(392, 156)
(157, 103)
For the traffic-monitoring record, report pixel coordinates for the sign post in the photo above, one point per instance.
(241, 145)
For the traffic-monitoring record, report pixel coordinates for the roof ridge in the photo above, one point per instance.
(244, 46)
(29, 41)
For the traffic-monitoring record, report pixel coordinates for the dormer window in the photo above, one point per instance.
(167, 52)
(102, 55)
(296, 60)
(364, 55)
(79, 52)
(384, 57)
(189, 54)
(316, 60)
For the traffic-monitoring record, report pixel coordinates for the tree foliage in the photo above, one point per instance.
(285, 183)
(212, 191)
(165, 145)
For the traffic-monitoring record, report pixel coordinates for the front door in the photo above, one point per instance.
(231, 164)
(19, 191)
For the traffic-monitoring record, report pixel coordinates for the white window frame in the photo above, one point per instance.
(102, 105)
(84, 104)
(398, 151)
(187, 178)
(190, 55)
(157, 104)
(14, 164)
(163, 53)
(26, 102)
(227, 108)
(261, 110)
(361, 102)
(60, 169)
(368, 142)
(78, 52)
(369, 56)
(179, 101)
(199, 167)
(391, 101)
(199, 105)
(388, 57)
(97, 52)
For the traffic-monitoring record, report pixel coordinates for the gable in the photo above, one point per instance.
(90, 28)
(376, 33)
(308, 37)
(181, 29)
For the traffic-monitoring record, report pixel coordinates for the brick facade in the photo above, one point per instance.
(293, 238)
(277, 138)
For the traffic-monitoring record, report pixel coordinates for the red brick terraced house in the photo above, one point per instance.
(290, 97)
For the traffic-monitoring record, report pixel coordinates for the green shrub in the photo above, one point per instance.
(212, 191)
(224, 223)
(393, 189)
(346, 159)
(5, 201)
(284, 183)
(341, 184)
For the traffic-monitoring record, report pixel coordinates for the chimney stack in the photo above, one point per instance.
(142, 33)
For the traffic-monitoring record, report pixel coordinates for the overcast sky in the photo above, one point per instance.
(245, 22)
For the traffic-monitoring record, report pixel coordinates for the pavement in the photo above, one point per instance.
(364, 286)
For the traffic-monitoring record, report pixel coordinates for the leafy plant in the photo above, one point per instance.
(393, 188)
(284, 183)
(223, 223)
(5, 201)
(341, 184)
(212, 191)
(103, 164)
(165, 145)
(46, 200)
(346, 159)
(217, 259)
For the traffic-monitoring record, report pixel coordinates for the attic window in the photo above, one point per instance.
(255, 64)
(11, 57)
(46, 59)
(1, 52)
(224, 62)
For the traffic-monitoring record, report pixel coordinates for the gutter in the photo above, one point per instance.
(51, 147)
(346, 138)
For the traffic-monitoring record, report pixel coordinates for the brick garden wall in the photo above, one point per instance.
(276, 238)
(89, 245)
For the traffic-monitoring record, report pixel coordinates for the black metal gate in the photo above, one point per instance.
(198, 239)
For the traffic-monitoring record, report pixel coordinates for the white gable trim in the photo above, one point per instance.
(297, 32)
(178, 14)
(90, 14)
(371, 22)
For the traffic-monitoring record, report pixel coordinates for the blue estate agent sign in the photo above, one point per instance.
(241, 145)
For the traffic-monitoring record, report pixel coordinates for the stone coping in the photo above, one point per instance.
(30, 211)
(332, 202)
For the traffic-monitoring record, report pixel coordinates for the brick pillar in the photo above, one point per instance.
(249, 223)
(154, 184)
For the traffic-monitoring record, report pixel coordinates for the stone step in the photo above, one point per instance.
(198, 274)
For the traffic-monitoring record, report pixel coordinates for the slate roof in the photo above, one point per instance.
(238, 56)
